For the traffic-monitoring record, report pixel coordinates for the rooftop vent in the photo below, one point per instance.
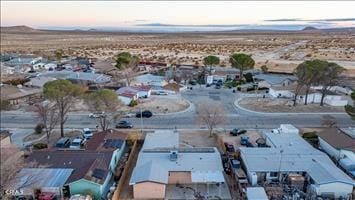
(173, 155)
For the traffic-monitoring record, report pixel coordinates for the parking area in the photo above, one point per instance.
(236, 140)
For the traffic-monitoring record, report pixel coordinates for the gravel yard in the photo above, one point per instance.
(165, 104)
(284, 105)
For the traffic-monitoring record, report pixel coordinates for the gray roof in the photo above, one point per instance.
(148, 78)
(80, 76)
(290, 153)
(43, 177)
(154, 162)
(256, 193)
(274, 79)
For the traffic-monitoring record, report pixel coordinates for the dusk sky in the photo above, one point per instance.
(114, 14)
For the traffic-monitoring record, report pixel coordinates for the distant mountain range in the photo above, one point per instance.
(170, 28)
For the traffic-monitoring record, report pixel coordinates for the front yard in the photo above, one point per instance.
(283, 105)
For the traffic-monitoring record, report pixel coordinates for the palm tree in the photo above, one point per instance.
(242, 62)
(125, 61)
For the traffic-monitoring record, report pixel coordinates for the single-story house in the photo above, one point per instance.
(314, 96)
(79, 77)
(129, 93)
(149, 79)
(161, 165)
(93, 168)
(16, 95)
(339, 143)
(28, 180)
(289, 155)
(274, 80)
(337, 89)
(6, 69)
(39, 81)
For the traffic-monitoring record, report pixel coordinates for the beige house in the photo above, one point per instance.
(161, 166)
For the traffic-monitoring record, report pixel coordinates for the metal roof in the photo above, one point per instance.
(274, 79)
(154, 163)
(82, 76)
(256, 193)
(290, 153)
(43, 177)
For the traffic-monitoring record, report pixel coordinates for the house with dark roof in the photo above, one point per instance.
(93, 168)
(339, 143)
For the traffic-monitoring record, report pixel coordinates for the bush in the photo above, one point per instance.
(39, 128)
(231, 83)
(133, 103)
(5, 105)
(248, 77)
(40, 146)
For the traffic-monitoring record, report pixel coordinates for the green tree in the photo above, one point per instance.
(351, 109)
(264, 69)
(328, 76)
(300, 73)
(242, 62)
(63, 93)
(105, 101)
(126, 61)
(211, 60)
(312, 69)
(58, 55)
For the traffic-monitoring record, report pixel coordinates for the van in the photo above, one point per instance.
(63, 143)
(76, 143)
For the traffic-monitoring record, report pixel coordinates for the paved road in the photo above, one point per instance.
(235, 117)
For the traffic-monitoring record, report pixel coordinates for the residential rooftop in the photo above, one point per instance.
(338, 138)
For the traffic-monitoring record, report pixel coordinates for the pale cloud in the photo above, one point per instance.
(111, 13)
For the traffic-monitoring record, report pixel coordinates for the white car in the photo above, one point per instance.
(87, 133)
(77, 143)
(97, 114)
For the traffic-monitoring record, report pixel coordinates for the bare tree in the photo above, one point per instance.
(48, 115)
(105, 101)
(329, 121)
(211, 115)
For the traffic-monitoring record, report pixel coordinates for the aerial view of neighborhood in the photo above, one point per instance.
(195, 100)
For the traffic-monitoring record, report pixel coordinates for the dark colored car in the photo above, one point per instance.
(229, 147)
(145, 113)
(218, 86)
(124, 124)
(63, 143)
(236, 132)
(193, 82)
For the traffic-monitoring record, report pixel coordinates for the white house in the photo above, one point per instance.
(142, 91)
(290, 155)
(314, 96)
(340, 145)
(127, 97)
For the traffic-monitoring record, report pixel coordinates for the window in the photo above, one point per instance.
(273, 174)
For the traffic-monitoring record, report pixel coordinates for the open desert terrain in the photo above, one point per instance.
(281, 51)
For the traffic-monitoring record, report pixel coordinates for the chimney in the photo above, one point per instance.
(173, 155)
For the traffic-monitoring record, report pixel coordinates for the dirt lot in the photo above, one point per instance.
(162, 104)
(284, 105)
(201, 138)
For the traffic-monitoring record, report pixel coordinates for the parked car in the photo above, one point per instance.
(129, 115)
(229, 147)
(208, 85)
(145, 113)
(124, 124)
(87, 133)
(218, 86)
(193, 82)
(244, 140)
(77, 143)
(97, 114)
(63, 143)
(161, 93)
(236, 132)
